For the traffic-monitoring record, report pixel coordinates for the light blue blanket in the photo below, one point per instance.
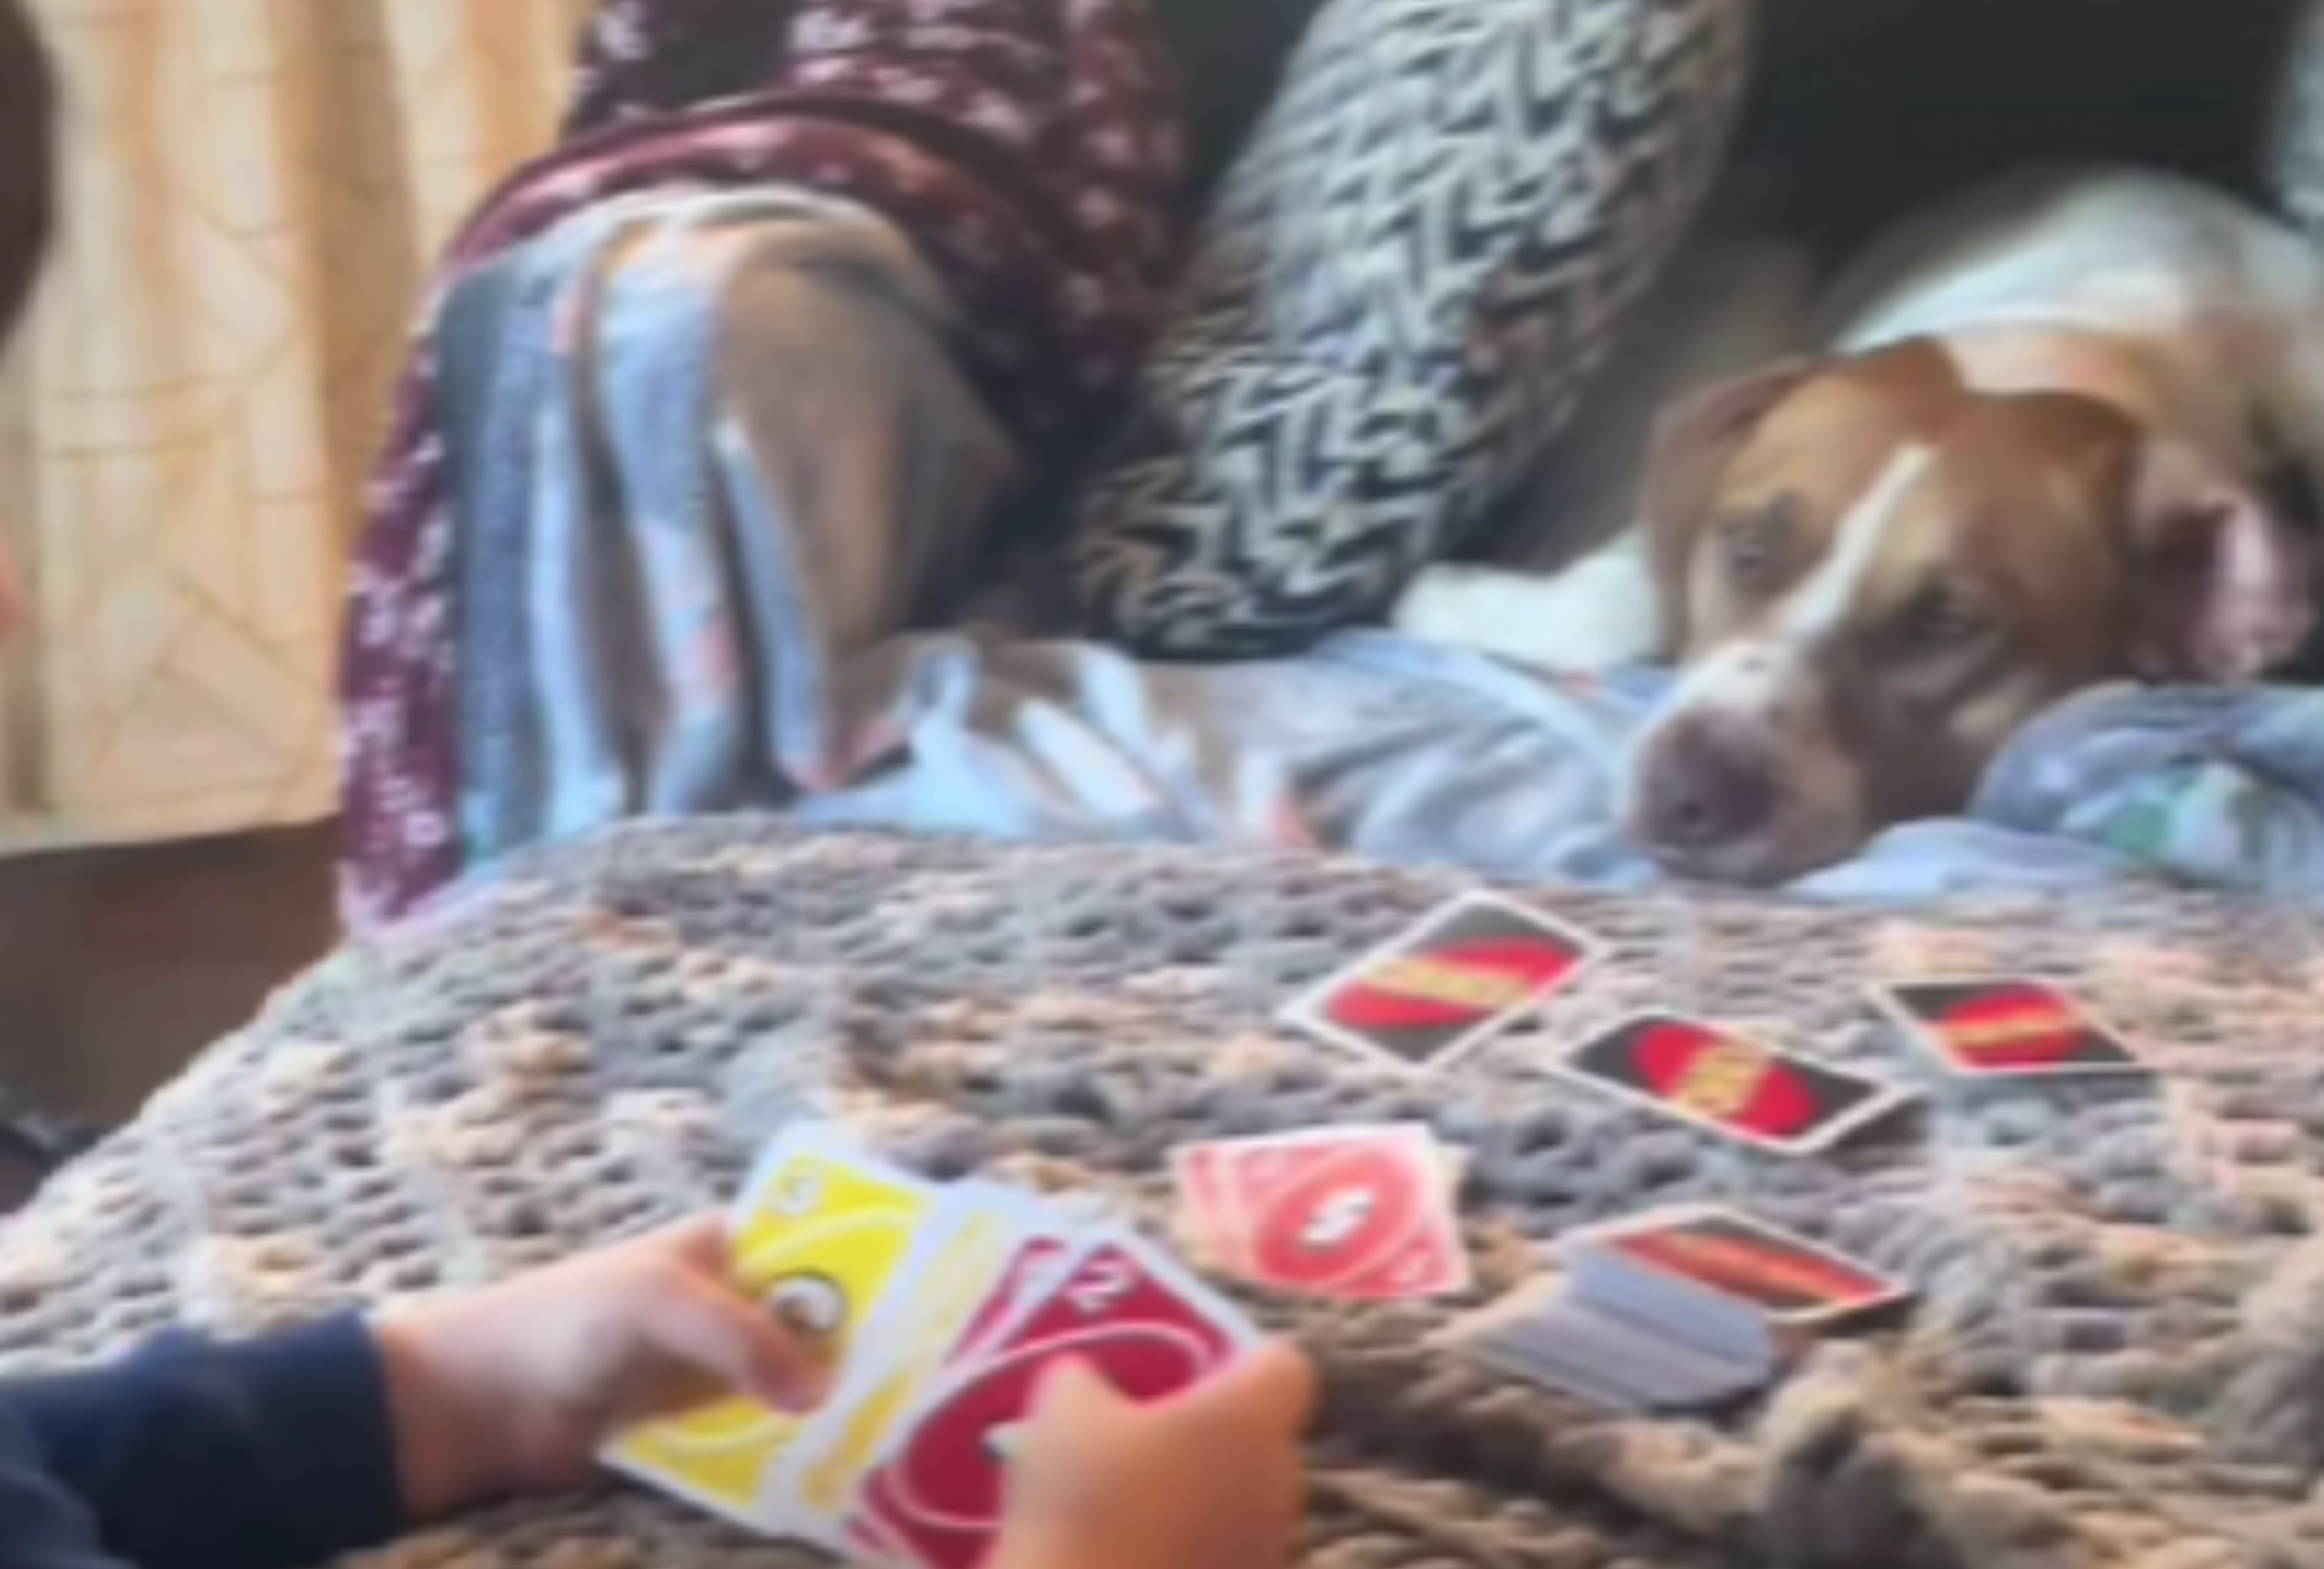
(770, 670)
(1410, 752)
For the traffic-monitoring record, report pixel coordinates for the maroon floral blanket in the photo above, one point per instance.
(1032, 149)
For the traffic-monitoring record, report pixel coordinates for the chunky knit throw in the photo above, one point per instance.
(2117, 1362)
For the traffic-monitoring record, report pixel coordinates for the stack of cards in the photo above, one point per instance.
(1732, 1083)
(1358, 1215)
(1444, 989)
(2006, 1029)
(939, 1310)
(1680, 1310)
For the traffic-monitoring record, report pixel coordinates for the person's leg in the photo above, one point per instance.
(755, 456)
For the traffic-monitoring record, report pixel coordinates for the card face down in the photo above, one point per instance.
(1553, 1337)
(1686, 1308)
(1442, 990)
(1792, 1281)
(1732, 1083)
(2006, 1027)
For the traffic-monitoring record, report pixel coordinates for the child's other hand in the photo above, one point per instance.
(1211, 1480)
(513, 1388)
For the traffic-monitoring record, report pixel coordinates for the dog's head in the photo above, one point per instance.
(1872, 573)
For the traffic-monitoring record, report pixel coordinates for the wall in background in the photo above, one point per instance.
(254, 188)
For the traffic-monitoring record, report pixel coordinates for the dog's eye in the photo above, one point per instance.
(1754, 544)
(1940, 618)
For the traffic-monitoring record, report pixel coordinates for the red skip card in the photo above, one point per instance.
(1352, 1213)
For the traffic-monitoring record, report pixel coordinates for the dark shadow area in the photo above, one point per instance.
(116, 966)
(1880, 105)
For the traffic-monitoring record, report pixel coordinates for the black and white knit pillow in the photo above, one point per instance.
(1409, 276)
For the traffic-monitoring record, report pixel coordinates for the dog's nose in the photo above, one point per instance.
(1705, 785)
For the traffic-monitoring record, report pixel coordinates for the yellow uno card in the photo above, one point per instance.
(952, 1280)
(818, 1235)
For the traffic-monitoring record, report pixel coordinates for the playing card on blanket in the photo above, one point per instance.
(2006, 1029)
(819, 1235)
(1732, 1083)
(1119, 1308)
(1680, 1310)
(1726, 1280)
(1547, 1335)
(1356, 1213)
(1447, 986)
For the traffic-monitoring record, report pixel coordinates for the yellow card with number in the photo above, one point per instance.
(818, 1235)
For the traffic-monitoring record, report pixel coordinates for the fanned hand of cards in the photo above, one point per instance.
(1684, 1309)
(939, 1309)
(1358, 1215)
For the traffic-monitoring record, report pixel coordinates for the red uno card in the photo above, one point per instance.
(1209, 1223)
(1732, 1083)
(1029, 1274)
(2005, 1028)
(1793, 1283)
(1135, 1319)
(1354, 1214)
(1447, 986)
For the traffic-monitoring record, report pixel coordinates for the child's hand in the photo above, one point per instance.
(1211, 1480)
(513, 1388)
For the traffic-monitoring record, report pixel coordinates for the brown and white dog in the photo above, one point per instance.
(2032, 455)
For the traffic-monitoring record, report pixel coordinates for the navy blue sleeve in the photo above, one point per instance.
(276, 1454)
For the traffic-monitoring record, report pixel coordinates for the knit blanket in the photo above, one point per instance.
(2118, 1358)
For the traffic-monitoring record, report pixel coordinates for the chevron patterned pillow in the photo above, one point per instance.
(1407, 278)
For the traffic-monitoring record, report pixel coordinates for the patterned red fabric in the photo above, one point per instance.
(1030, 147)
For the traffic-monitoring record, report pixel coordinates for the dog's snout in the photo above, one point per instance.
(1705, 785)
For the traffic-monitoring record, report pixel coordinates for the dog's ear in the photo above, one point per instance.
(1692, 443)
(2221, 588)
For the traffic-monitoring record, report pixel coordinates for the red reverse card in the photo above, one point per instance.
(1129, 1315)
(1353, 1214)
(2007, 1028)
